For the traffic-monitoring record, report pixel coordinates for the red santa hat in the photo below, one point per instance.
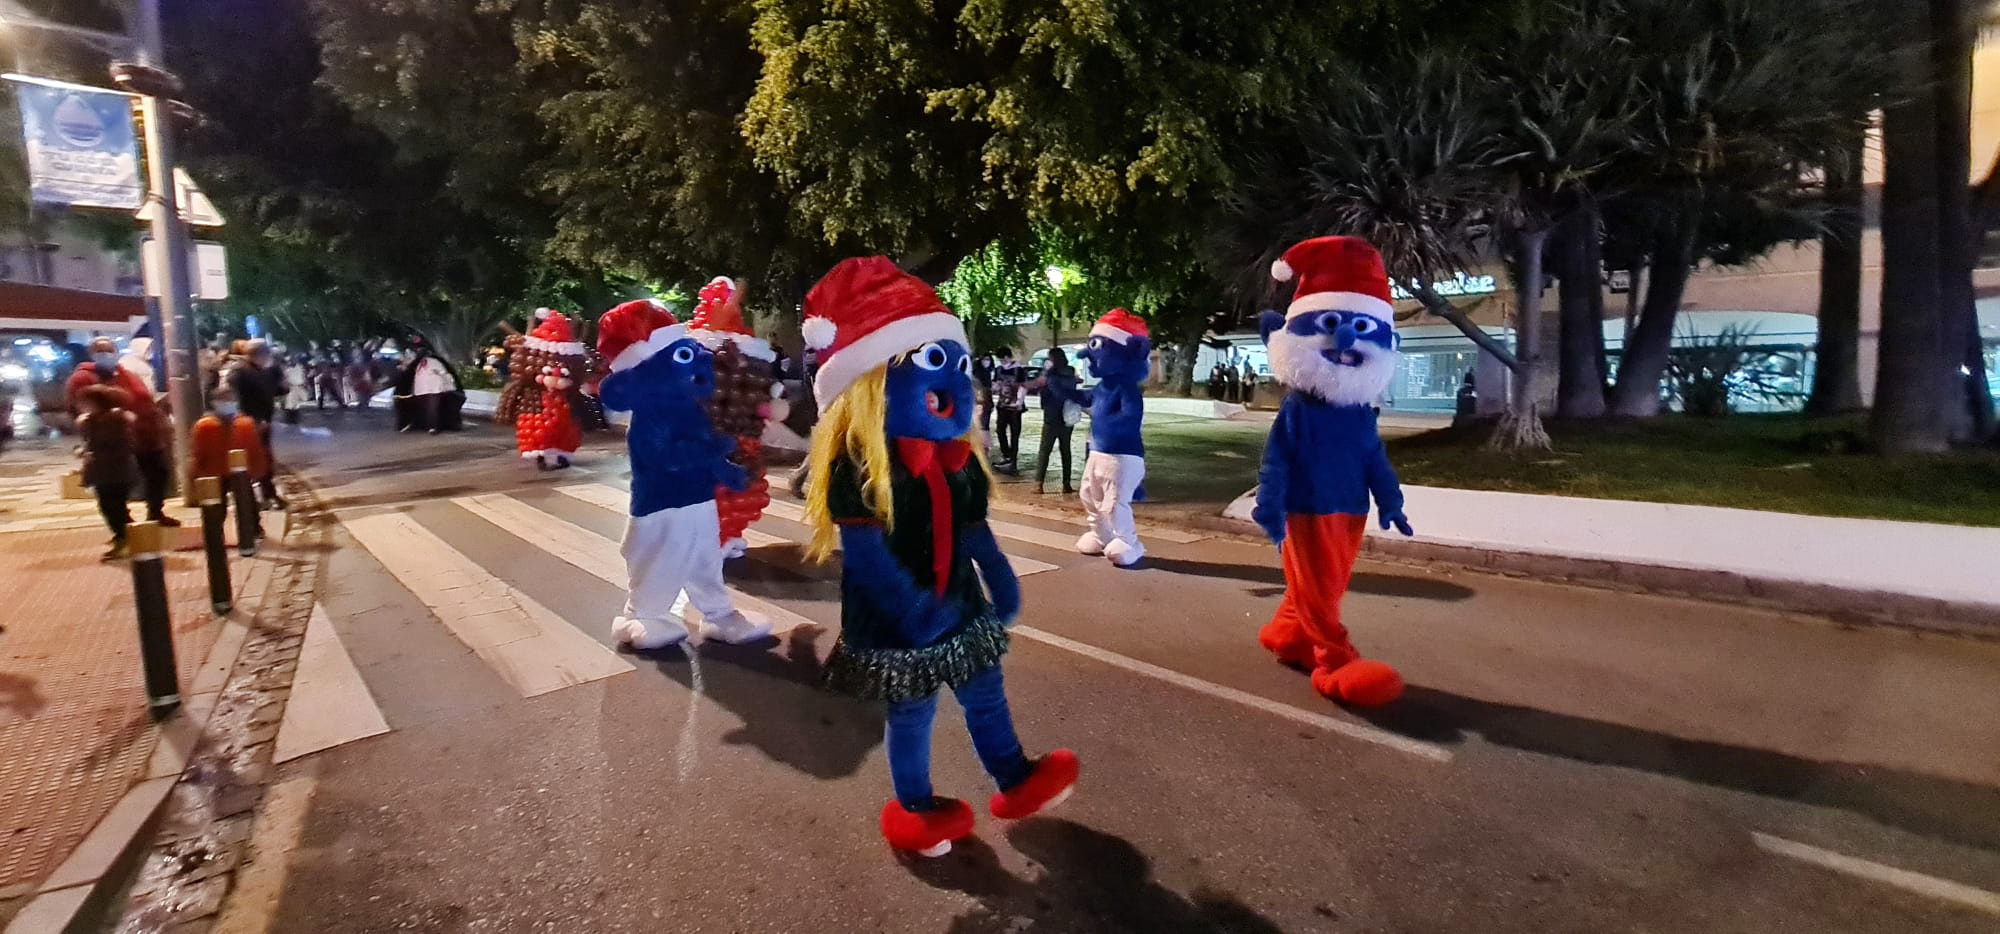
(863, 314)
(1120, 325)
(718, 318)
(553, 335)
(1336, 274)
(630, 333)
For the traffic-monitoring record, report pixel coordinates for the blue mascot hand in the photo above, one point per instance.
(1272, 522)
(1400, 521)
(944, 616)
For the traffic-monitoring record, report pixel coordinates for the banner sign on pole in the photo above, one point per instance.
(81, 147)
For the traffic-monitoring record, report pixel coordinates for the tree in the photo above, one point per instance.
(1836, 385)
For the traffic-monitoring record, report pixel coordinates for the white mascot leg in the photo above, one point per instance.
(1122, 546)
(1097, 492)
(720, 620)
(655, 549)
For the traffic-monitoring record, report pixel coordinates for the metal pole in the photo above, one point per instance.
(213, 515)
(156, 628)
(183, 343)
(248, 526)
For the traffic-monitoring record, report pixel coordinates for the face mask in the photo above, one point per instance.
(106, 360)
(226, 409)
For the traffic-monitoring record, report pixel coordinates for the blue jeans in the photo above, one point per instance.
(986, 719)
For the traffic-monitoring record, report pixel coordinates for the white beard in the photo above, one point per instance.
(1297, 363)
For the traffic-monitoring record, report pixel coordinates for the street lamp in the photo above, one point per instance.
(1056, 277)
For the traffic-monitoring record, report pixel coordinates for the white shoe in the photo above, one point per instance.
(647, 634)
(1090, 544)
(735, 548)
(1124, 555)
(735, 629)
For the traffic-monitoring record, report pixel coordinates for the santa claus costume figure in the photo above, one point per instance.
(896, 484)
(544, 394)
(744, 393)
(665, 379)
(1336, 347)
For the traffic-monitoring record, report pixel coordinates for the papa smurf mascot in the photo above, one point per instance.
(1120, 354)
(665, 379)
(926, 595)
(1336, 347)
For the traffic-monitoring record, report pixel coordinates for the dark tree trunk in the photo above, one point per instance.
(1968, 404)
(1644, 363)
(1985, 217)
(1179, 364)
(1521, 428)
(1632, 293)
(1837, 371)
(1580, 373)
(1911, 380)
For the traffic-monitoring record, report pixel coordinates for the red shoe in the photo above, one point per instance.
(927, 833)
(1052, 780)
(1287, 642)
(1359, 683)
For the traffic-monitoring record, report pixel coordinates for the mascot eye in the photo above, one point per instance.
(930, 357)
(1329, 322)
(1097, 343)
(1364, 325)
(965, 366)
(684, 355)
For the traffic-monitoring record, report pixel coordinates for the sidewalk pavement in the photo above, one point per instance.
(82, 765)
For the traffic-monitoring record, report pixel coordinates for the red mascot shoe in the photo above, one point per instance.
(1287, 641)
(1052, 780)
(927, 833)
(1360, 682)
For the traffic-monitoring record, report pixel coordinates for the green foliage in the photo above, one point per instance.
(1704, 372)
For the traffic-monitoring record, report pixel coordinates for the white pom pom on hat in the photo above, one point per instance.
(1281, 271)
(819, 332)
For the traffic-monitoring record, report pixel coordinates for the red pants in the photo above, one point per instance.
(1319, 553)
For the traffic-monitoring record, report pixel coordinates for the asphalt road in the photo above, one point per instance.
(1566, 759)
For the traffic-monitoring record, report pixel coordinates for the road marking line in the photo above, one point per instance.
(1146, 530)
(529, 646)
(1022, 566)
(330, 704)
(1358, 731)
(1931, 886)
(275, 843)
(599, 555)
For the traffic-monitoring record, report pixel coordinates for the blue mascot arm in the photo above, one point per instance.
(1387, 489)
(616, 392)
(1274, 480)
(729, 473)
(890, 590)
(1001, 583)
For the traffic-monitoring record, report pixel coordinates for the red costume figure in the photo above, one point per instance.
(744, 389)
(544, 394)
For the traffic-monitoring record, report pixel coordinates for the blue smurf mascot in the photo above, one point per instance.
(1120, 354)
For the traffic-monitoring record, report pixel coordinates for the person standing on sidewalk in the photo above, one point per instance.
(1008, 405)
(1063, 400)
(150, 435)
(107, 429)
(257, 384)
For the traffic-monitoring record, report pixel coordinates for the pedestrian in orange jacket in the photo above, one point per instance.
(223, 429)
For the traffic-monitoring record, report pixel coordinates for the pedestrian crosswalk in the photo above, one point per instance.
(531, 648)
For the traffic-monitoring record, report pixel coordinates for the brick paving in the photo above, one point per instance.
(74, 732)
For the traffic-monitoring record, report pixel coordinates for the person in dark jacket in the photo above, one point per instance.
(258, 384)
(1062, 394)
(151, 435)
(107, 428)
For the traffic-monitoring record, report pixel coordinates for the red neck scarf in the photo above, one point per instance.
(931, 460)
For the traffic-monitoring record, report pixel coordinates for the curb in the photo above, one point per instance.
(1843, 605)
(80, 890)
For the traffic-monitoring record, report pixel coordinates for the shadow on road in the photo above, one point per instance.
(1381, 585)
(1942, 808)
(777, 696)
(1090, 881)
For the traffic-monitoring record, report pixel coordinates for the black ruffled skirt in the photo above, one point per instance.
(896, 675)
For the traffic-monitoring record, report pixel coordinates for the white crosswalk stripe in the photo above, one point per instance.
(330, 704)
(605, 496)
(599, 555)
(1008, 530)
(531, 648)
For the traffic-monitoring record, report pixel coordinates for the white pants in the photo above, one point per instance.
(670, 551)
(1109, 480)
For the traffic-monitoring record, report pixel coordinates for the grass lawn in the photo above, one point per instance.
(1773, 462)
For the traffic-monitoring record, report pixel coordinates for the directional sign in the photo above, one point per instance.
(196, 209)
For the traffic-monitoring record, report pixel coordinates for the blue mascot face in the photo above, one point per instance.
(1343, 357)
(684, 370)
(930, 393)
(1115, 362)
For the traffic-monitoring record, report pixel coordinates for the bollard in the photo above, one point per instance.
(247, 528)
(156, 629)
(208, 490)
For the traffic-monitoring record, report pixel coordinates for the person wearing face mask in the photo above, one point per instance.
(151, 439)
(257, 384)
(224, 428)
